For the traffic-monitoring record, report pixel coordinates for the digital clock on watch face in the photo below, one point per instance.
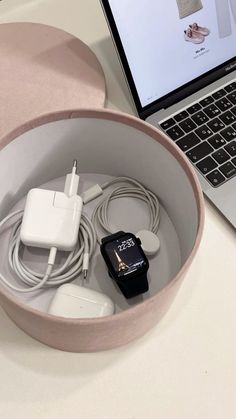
(124, 256)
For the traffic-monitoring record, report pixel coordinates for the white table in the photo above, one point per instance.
(185, 368)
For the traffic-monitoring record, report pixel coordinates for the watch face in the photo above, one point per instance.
(124, 256)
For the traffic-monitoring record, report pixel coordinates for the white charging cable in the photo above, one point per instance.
(134, 189)
(75, 263)
(12, 256)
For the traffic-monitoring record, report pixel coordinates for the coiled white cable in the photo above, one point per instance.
(100, 216)
(71, 268)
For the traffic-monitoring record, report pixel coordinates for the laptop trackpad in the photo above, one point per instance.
(225, 199)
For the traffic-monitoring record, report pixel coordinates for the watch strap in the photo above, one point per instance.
(133, 286)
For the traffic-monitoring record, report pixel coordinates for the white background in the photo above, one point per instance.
(153, 37)
(185, 368)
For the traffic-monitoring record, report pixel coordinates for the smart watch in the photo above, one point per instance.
(126, 262)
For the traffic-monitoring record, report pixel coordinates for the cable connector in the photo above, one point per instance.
(91, 193)
(72, 181)
(52, 256)
(85, 265)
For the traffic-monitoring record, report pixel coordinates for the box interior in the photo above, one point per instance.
(104, 149)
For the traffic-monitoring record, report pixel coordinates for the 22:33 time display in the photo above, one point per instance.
(126, 244)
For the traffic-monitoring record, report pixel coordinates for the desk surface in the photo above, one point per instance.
(185, 367)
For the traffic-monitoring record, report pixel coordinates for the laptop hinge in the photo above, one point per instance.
(188, 90)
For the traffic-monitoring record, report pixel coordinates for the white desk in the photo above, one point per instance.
(185, 368)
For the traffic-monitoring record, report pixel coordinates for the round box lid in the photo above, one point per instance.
(44, 69)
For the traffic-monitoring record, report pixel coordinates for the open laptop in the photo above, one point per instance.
(179, 61)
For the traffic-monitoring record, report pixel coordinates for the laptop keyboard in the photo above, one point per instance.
(206, 133)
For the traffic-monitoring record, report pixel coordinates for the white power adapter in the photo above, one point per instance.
(52, 219)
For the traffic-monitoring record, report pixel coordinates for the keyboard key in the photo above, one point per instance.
(167, 124)
(188, 141)
(217, 141)
(187, 125)
(233, 110)
(215, 178)
(232, 97)
(199, 152)
(200, 118)
(216, 125)
(175, 132)
(231, 148)
(221, 156)
(227, 117)
(230, 87)
(194, 108)
(223, 104)
(206, 165)
(207, 101)
(219, 94)
(228, 133)
(203, 132)
(180, 116)
(212, 111)
(228, 169)
(234, 125)
(234, 161)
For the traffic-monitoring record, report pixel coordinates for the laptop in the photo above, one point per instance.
(179, 59)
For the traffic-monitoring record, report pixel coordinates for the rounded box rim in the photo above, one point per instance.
(166, 142)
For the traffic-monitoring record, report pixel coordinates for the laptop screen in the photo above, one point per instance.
(167, 44)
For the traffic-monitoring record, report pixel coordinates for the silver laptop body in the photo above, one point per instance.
(211, 49)
(223, 197)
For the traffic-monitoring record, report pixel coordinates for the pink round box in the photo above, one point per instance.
(109, 143)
